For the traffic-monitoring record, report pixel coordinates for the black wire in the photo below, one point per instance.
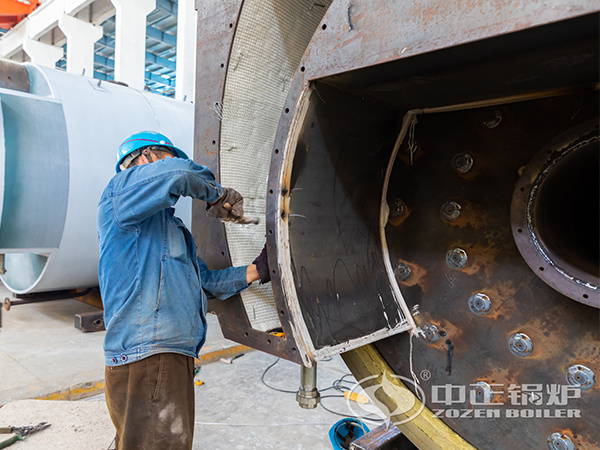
(337, 385)
(262, 378)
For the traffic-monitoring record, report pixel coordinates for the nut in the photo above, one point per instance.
(450, 210)
(462, 163)
(578, 375)
(480, 303)
(559, 441)
(520, 344)
(456, 258)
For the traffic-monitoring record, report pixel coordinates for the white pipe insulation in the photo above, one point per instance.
(58, 146)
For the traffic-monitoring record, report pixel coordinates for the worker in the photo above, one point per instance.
(154, 289)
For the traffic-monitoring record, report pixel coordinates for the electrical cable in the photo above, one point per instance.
(262, 378)
(337, 385)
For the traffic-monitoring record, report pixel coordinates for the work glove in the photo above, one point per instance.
(262, 266)
(229, 207)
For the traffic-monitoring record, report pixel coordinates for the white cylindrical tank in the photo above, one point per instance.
(58, 146)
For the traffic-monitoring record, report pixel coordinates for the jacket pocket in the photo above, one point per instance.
(177, 321)
(176, 243)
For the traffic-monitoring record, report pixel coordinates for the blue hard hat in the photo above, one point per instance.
(144, 139)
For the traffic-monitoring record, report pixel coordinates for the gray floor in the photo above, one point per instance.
(41, 352)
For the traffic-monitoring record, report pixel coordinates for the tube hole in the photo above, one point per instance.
(324, 27)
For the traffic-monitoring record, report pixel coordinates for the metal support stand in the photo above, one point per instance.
(90, 321)
(308, 396)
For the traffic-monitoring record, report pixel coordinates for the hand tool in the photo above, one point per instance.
(241, 220)
(21, 432)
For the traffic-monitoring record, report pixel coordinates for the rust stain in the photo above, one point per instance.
(471, 215)
(358, 36)
(418, 275)
(397, 221)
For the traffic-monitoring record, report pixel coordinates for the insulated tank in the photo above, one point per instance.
(58, 143)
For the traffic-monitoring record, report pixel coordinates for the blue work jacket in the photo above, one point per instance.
(154, 287)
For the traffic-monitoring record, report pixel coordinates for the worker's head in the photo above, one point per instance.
(145, 147)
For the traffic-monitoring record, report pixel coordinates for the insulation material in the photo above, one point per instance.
(270, 39)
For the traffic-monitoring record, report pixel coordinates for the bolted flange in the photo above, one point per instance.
(456, 258)
(480, 303)
(559, 441)
(578, 375)
(462, 163)
(520, 344)
(450, 210)
(430, 332)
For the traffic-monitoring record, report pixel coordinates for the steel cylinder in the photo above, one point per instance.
(58, 145)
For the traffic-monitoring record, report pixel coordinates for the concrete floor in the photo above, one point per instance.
(41, 352)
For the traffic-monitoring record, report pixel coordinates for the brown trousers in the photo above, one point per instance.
(151, 402)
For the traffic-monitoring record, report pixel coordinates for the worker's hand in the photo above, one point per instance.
(229, 207)
(262, 266)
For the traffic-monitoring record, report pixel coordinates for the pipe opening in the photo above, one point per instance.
(566, 212)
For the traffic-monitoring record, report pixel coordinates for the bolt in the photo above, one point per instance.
(430, 332)
(456, 258)
(480, 303)
(581, 376)
(396, 208)
(520, 344)
(402, 272)
(491, 118)
(450, 210)
(462, 163)
(483, 392)
(559, 441)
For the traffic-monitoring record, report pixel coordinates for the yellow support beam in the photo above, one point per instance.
(424, 429)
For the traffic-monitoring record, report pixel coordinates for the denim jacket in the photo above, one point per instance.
(154, 287)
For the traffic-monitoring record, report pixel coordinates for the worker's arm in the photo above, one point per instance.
(223, 283)
(141, 191)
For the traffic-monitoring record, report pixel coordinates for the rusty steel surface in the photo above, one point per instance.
(466, 345)
(555, 214)
(361, 33)
(216, 31)
(519, 331)
(14, 76)
(507, 79)
(216, 28)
